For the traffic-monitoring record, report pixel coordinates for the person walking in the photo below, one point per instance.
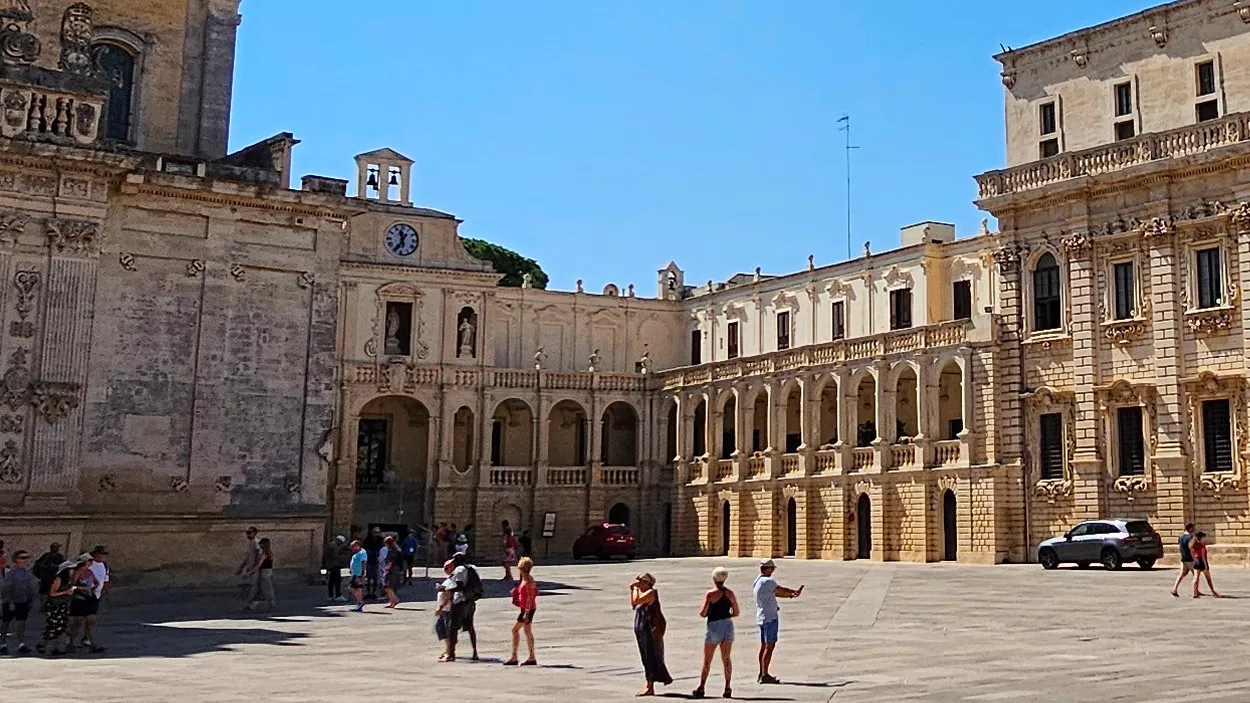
(393, 576)
(524, 597)
(56, 612)
(19, 589)
(100, 576)
(409, 547)
(649, 628)
(373, 550)
(465, 586)
(442, 614)
(767, 591)
(356, 571)
(720, 606)
(262, 590)
(46, 568)
(509, 554)
(1187, 557)
(1202, 564)
(246, 571)
(332, 561)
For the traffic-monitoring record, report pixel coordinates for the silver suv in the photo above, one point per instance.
(1111, 542)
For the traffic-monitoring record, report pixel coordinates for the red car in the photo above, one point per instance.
(606, 541)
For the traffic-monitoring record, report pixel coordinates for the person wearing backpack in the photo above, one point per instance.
(466, 589)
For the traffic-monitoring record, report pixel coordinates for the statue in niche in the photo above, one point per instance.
(392, 333)
(466, 335)
(539, 357)
(593, 361)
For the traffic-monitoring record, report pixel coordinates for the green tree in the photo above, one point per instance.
(511, 264)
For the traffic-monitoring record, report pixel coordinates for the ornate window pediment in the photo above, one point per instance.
(785, 300)
(896, 278)
(1046, 402)
(1200, 389)
(1122, 394)
(839, 289)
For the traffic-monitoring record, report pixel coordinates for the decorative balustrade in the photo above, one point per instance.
(826, 461)
(862, 458)
(510, 476)
(698, 471)
(941, 335)
(41, 113)
(903, 456)
(724, 470)
(947, 452)
(433, 375)
(619, 476)
(789, 464)
(755, 466)
(566, 476)
(1184, 141)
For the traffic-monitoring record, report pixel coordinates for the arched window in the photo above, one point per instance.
(1046, 294)
(117, 64)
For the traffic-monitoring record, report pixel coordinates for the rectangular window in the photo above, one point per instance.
(1205, 74)
(1123, 99)
(1051, 449)
(732, 333)
(372, 442)
(696, 347)
(839, 320)
(1125, 303)
(1125, 130)
(1132, 442)
(398, 329)
(1048, 148)
(783, 330)
(1210, 278)
(1046, 119)
(900, 309)
(961, 294)
(1217, 436)
(1209, 110)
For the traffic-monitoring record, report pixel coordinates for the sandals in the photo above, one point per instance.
(529, 662)
(510, 662)
(729, 693)
(697, 693)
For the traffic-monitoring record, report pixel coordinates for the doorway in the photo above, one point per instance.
(668, 529)
(792, 528)
(619, 514)
(863, 513)
(724, 529)
(950, 537)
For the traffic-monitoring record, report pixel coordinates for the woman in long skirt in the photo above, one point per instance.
(509, 553)
(649, 627)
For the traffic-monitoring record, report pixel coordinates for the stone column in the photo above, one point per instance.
(221, 28)
(345, 475)
(595, 435)
(67, 300)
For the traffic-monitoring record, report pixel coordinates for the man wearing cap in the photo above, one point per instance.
(767, 591)
(100, 583)
(18, 591)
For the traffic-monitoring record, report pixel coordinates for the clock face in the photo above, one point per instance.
(401, 239)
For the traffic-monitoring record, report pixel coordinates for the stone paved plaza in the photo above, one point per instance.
(861, 632)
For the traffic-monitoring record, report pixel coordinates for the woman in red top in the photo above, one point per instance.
(1202, 567)
(509, 553)
(525, 597)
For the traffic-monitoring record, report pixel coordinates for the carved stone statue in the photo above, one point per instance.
(985, 225)
(467, 337)
(77, 29)
(644, 364)
(392, 333)
(593, 361)
(867, 249)
(539, 357)
(580, 289)
(17, 45)
(811, 261)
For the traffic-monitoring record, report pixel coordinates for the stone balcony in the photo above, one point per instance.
(398, 375)
(1118, 156)
(561, 476)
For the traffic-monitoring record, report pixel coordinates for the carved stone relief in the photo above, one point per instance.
(77, 236)
(76, 32)
(27, 285)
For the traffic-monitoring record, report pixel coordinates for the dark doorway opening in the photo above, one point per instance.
(619, 514)
(724, 529)
(668, 529)
(792, 528)
(864, 527)
(950, 536)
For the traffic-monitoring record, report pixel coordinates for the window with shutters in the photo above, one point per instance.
(1047, 296)
(1048, 129)
(1207, 99)
(1217, 435)
(839, 320)
(1050, 430)
(1123, 277)
(732, 341)
(961, 295)
(900, 309)
(783, 330)
(1210, 280)
(1132, 441)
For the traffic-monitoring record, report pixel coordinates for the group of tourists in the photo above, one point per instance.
(67, 592)
(1194, 560)
(720, 607)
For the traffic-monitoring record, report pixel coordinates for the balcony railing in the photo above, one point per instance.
(41, 113)
(862, 458)
(1175, 143)
(371, 373)
(947, 452)
(902, 456)
(940, 335)
(619, 476)
(755, 466)
(724, 470)
(826, 461)
(789, 464)
(566, 476)
(510, 476)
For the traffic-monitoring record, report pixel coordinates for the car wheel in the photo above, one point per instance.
(1048, 559)
(1146, 563)
(1111, 559)
(1082, 565)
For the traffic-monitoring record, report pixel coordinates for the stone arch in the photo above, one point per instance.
(671, 432)
(505, 509)
(865, 416)
(392, 460)
(698, 425)
(906, 402)
(826, 392)
(619, 514)
(950, 399)
(619, 435)
(567, 434)
(512, 434)
(463, 444)
(792, 420)
(756, 402)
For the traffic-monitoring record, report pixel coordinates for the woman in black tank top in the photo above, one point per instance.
(720, 606)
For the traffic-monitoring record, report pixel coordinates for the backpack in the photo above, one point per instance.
(473, 590)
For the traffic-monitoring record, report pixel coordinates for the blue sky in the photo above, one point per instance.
(604, 138)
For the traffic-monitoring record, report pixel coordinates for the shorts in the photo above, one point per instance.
(525, 615)
(83, 607)
(1200, 564)
(719, 631)
(357, 582)
(769, 631)
(1187, 565)
(462, 616)
(20, 612)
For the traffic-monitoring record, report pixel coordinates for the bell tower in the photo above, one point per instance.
(383, 175)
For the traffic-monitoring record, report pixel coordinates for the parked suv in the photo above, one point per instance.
(605, 541)
(1111, 542)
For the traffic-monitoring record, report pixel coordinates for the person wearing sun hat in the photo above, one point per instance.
(56, 611)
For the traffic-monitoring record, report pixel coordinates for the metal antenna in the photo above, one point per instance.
(846, 127)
